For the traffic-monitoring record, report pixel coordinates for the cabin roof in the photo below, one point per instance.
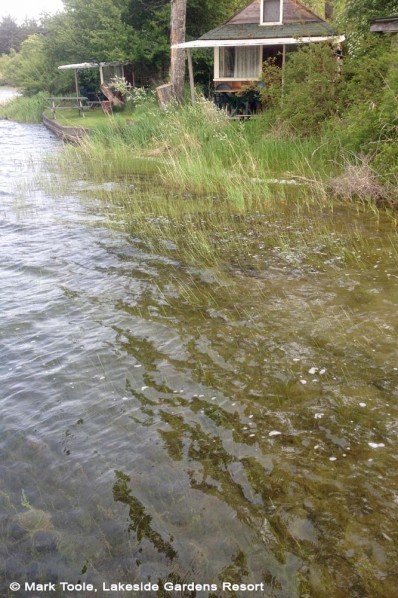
(300, 25)
(252, 31)
(298, 21)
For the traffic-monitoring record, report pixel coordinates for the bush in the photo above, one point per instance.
(310, 90)
(370, 95)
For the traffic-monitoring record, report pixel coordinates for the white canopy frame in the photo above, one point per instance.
(91, 65)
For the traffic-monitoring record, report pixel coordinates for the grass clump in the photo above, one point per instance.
(25, 109)
(199, 150)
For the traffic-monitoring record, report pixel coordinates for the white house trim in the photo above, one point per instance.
(275, 41)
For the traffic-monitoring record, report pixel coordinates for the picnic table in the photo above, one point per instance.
(68, 102)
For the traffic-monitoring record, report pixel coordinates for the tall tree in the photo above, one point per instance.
(12, 34)
(9, 35)
(177, 36)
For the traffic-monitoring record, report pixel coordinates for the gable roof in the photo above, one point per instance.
(298, 21)
(300, 25)
(293, 11)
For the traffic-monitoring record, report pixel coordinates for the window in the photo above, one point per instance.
(271, 12)
(239, 62)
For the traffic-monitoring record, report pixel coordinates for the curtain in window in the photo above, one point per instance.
(240, 62)
(247, 62)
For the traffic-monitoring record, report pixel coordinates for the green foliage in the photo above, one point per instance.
(29, 69)
(309, 94)
(12, 34)
(133, 96)
(271, 76)
(5, 72)
(353, 105)
(87, 30)
(369, 123)
(357, 14)
(355, 17)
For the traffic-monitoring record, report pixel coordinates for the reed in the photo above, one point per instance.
(25, 109)
(213, 197)
(197, 149)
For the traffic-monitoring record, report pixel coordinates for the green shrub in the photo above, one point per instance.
(310, 90)
(369, 96)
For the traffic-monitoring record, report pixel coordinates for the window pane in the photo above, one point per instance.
(227, 62)
(239, 62)
(271, 11)
(247, 62)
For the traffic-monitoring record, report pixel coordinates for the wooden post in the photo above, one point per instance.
(78, 102)
(283, 68)
(77, 86)
(165, 94)
(191, 79)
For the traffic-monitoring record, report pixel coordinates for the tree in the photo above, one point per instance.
(12, 34)
(29, 69)
(9, 35)
(177, 36)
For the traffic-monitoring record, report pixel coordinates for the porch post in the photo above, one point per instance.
(76, 85)
(283, 67)
(191, 79)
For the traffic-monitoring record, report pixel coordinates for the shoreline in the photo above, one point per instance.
(66, 133)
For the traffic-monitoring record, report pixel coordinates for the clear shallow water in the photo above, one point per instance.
(159, 422)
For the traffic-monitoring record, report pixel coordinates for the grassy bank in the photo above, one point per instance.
(25, 109)
(213, 191)
(216, 198)
(92, 118)
(198, 149)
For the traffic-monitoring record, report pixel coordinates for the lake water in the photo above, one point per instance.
(161, 424)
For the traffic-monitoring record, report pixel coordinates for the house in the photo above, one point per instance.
(262, 30)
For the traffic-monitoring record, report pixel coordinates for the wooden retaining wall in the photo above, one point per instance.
(69, 134)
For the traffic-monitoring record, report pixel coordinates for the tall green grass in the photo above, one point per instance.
(25, 109)
(215, 197)
(198, 149)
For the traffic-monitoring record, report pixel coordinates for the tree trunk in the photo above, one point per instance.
(178, 25)
(329, 10)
